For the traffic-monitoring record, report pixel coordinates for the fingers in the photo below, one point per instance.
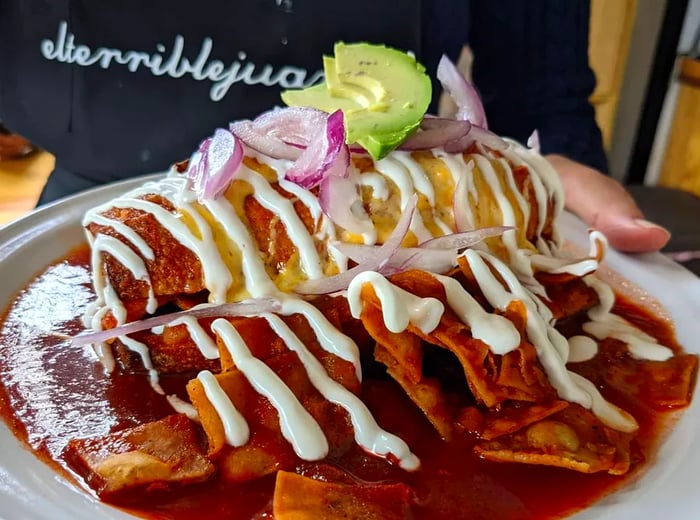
(605, 205)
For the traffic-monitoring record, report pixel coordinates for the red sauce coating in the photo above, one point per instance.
(52, 392)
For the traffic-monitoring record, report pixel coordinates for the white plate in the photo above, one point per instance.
(31, 490)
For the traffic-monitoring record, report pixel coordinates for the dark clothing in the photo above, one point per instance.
(119, 88)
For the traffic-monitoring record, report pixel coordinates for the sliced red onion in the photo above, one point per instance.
(244, 308)
(404, 258)
(460, 145)
(340, 199)
(282, 133)
(259, 141)
(356, 148)
(213, 166)
(325, 155)
(436, 132)
(436, 255)
(375, 262)
(463, 239)
(533, 142)
(463, 93)
(487, 138)
(460, 202)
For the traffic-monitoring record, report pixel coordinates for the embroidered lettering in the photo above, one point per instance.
(65, 50)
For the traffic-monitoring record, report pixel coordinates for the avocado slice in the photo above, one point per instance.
(383, 93)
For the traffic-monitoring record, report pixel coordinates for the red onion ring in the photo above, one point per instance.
(533, 142)
(282, 133)
(325, 155)
(463, 93)
(436, 132)
(244, 308)
(404, 258)
(213, 166)
(437, 255)
(463, 239)
(340, 199)
(375, 262)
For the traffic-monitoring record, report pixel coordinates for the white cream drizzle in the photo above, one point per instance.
(496, 331)
(551, 346)
(422, 185)
(377, 183)
(330, 338)
(236, 431)
(463, 178)
(368, 434)
(604, 324)
(183, 407)
(142, 350)
(298, 426)
(258, 282)
(284, 209)
(205, 344)
(396, 171)
(581, 348)
(399, 307)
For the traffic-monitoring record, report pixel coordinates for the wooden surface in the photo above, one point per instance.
(611, 27)
(21, 182)
(681, 165)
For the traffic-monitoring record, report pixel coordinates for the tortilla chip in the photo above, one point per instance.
(258, 336)
(573, 438)
(512, 417)
(172, 352)
(567, 298)
(426, 393)
(662, 385)
(492, 378)
(154, 455)
(301, 498)
(267, 449)
(404, 347)
(471, 420)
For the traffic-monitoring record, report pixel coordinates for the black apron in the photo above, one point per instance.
(120, 88)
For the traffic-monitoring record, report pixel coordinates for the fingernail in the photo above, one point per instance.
(649, 225)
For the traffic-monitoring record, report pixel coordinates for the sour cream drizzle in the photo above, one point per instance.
(399, 307)
(551, 346)
(204, 342)
(142, 350)
(284, 209)
(368, 434)
(297, 425)
(236, 431)
(604, 324)
(330, 338)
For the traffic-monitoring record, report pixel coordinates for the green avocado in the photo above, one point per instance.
(383, 93)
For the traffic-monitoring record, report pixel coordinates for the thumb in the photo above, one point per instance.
(605, 205)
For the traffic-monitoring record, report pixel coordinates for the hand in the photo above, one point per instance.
(605, 205)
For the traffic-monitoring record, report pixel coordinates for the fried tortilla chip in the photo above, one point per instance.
(301, 498)
(661, 384)
(426, 393)
(154, 455)
(267, 449)
(512, 417)
(573, 438)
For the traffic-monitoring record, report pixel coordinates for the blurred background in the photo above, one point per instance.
(646, 56)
